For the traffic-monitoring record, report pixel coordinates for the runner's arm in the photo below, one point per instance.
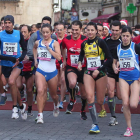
(108, 56)
(30, 45)
(23, 46)
(137, 49)
(35, 51)
(82, 53)
(63, 51)
(56, 54)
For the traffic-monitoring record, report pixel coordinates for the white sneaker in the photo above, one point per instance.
(56, 112)
(122, 109)
(39, 120)
(15, 113)
(23, 113)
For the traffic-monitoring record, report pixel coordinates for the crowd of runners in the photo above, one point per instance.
(101, 60)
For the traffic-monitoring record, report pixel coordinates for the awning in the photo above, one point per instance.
(104, 18)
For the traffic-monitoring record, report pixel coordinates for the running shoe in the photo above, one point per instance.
(39, 119)
(61, 105)
(64, 99)
(128, 132)
(70, 107)
(94, 129)
(23, 99)
(83, 115)
(15, 113)
(113, 121)
(102, 113)
(56, 112)
(30, 114)
(23, 113)
(3, 100)
(5, 89)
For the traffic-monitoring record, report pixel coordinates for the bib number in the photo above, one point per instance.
(74, 60)
(126, 64)
(10, 48)
(93, 63)
(44, 54)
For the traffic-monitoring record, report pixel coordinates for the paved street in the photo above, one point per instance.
(64, 127)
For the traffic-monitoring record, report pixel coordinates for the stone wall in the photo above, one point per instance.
(27, 11)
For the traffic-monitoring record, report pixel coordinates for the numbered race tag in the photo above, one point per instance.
(126, 64)
(74, 60)
(10, 48)
(93, 63)
(44, 54)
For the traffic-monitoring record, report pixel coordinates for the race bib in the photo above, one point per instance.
(93, 63)
(10, 48)
(74, 60)
(44, 54)
(127, 64)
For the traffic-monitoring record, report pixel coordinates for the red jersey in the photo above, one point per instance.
(136, 39)
(73, 50)
(27, 66)
(59, 41)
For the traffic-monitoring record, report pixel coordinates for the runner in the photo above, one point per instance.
(127, 53)
(61, 75)
(69, 31)
(37, 36)
(10, 46)
(94, 77)
(27, 72)
(100, 30)
(48, 50)
(73, 44)
(112, 78)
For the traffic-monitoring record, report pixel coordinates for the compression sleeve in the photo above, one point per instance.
(8, 58)
(82, 53)
(23, 46)
(107, 53)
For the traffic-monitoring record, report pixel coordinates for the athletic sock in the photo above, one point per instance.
(84, 103)
(29, 108)
(111, 104)
(93, 114)
(21, 107)
(56, 106)
(40, 114)
(3, 94)
(72, 93)
(14, 106)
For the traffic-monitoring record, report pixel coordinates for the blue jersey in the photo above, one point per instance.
(129, 63)
(10, 46)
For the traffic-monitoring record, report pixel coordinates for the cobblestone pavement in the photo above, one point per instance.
(64, 127)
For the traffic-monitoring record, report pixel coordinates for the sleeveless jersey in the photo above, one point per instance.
(129, 63)
(46, 60)
(10, 46)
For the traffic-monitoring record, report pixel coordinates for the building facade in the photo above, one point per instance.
(89, 9)
(26, 11)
